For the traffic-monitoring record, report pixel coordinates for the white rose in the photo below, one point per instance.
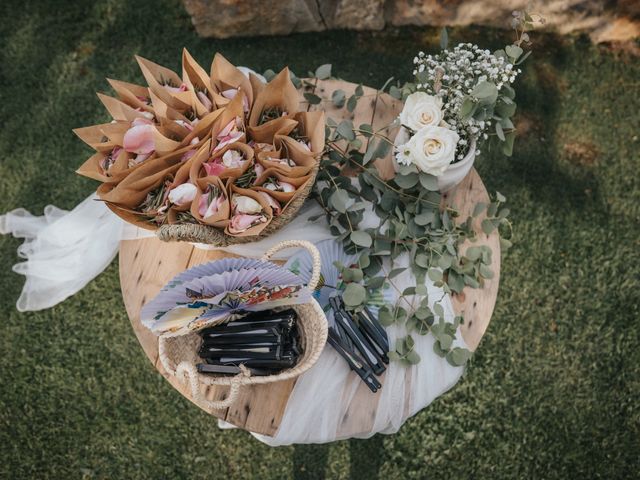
(421, 110)
(244, 204)
(431, 149)
(182, 194)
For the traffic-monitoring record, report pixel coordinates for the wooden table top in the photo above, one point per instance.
(146, 264)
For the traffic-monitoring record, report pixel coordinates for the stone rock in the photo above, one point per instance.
(240, 18)
(614, 20)
(604, 21)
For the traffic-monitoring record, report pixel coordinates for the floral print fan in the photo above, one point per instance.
(213, 293)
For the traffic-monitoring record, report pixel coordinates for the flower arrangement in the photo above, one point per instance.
(458, 99)
(226, 150)
(394, 220)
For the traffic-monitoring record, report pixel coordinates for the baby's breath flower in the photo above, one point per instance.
(464, 67)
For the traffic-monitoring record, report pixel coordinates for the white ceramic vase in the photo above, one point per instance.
(455, 172)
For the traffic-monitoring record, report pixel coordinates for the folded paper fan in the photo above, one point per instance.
(184, 306)
(219, 266)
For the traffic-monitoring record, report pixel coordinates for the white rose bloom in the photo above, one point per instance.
(182, 194)
(432, 149)
(244, 204)
(421, 110)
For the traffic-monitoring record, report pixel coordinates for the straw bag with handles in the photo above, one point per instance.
(178, 355)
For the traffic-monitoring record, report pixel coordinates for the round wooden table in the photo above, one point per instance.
(146, 264)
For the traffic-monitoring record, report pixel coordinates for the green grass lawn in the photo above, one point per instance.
(551, 393)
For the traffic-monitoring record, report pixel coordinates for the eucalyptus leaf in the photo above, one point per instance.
(458, 356)
(323, 71)
(361, 238)
(352, 102)
(485, 91)
(395, 272)
(345, 130)
(434, 274)
(339, 199)
(354, 295)
(487, 226)
(338, 98)
(407, 181)
(429, 182)
(444, 38)
(312, 98)
(513, 51)
(413, 357)
(423, 261)
(507, 146)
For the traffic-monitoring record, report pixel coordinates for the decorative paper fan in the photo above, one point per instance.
(219, 266)
(330, 280)
(199, 302)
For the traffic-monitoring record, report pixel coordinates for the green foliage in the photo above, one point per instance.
(410, 222)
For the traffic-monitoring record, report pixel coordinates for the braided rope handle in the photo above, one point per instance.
(187, 371)
(310, 247)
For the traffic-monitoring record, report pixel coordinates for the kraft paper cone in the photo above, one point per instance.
(133, 189)
(91, 168)
(279, 93)
(197, 167)
(225, 76)
(276, 206)
(165, 113)
(180, 177)
(203, 128)
(219, 219)
(266, 209)
(164, 145)
(259, 148)
(257, 85)
(283, 197)
(266, 133)
(303, 163)
(119, 110)
(231, 113)
(311, 125)
(131, 94)
(101, 137)
(156, 75)
(195, 77)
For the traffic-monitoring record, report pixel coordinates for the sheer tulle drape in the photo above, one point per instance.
(63, 251)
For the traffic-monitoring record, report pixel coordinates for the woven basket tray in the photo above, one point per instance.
(178, 355)
(216, 236)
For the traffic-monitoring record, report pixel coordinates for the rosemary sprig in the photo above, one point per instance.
(246, 179)
(270, 113)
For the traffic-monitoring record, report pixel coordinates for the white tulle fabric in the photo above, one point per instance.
(64, 250)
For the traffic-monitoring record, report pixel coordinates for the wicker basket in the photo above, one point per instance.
(216, 236)
(178, 355)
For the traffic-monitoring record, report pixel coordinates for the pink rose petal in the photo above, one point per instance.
(213, 168)
(243, 221)
(204, 100)
(139, 139)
